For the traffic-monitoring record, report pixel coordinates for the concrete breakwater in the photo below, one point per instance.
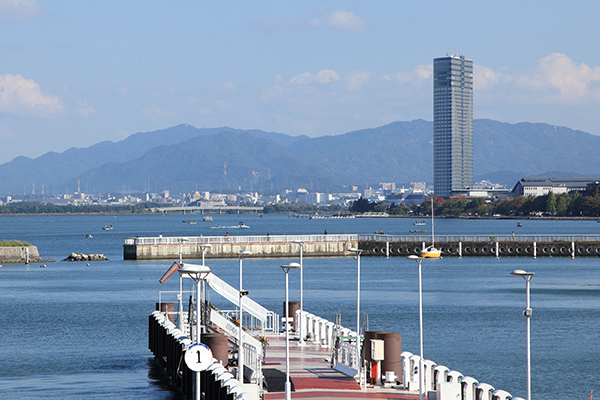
(485, 249)
(19, 255)
(169, 248)
(157, 248)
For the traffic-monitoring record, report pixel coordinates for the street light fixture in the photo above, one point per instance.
(241, 255)
(358, 355)
(288, 385)
(301, 326)
(527, 313)
(197, 273)
(181, 241)
(204, 247)
(419, 260)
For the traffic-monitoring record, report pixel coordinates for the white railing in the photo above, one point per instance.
(346, 355)
(197, 240)
(481, 238)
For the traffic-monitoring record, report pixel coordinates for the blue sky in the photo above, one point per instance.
(74, 73)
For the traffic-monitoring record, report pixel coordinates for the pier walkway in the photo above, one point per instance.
(313, 378)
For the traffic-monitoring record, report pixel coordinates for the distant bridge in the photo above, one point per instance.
(206, 207)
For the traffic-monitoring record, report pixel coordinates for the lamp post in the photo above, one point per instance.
(527, 313)
(358, 355)
(243, 293)
(197, 273)
(301, 341)
(288, 385)
(419, 260)
(204, 247)
(181, 241)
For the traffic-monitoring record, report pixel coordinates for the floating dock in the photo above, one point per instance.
(323, 358)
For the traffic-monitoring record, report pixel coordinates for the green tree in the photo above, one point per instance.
(551, 203)
(562, 204)
(361, 205)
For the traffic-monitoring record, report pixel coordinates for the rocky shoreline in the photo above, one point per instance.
(86, 257)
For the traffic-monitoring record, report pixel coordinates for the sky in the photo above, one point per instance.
(75, 73)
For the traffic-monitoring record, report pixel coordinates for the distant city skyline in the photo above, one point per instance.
(78, 73)
(452, 124)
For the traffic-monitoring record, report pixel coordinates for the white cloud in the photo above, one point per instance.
(23, 96)
(346, 21)
(84, 109)
(320, 18)
(21, 9)
(354, 80)
(423, 72)
(419, 74)
(323, 76)
(228, 85)
(574, 82)
(484, 77)
(554, 79)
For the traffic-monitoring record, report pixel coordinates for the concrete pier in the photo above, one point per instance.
(20, 254)
(281, 246)
(168, 248)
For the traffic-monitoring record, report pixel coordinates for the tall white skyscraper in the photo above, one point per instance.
(452, 124)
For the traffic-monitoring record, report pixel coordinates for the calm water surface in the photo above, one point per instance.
(72, 331)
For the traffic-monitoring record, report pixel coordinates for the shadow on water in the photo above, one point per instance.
(158, 378)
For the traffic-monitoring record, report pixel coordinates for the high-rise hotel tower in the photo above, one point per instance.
(452, 124)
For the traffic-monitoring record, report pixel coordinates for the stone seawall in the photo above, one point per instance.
(485, 249)
(19, 254)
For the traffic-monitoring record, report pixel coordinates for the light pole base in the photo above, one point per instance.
(288, 391)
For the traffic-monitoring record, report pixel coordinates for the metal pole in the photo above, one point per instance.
(528, 315)
(198, 333)
(358, 324)
(240, 342)
(180, 302)
(288, 386)
(421, 372)
(301, 325)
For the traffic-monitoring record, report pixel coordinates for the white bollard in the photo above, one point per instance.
(484, 391)
(469, 384)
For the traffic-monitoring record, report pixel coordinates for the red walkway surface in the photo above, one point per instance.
(313, 378)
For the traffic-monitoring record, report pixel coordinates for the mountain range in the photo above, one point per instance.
(184, 158)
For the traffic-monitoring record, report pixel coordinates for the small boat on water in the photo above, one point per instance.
(416, 231)
(88, 236)
(107, 228)
(419, 223)
(431, 251)
(208, 218)
(519, 225)
(190, 222)
(240, 225)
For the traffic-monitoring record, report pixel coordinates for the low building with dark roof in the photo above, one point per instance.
(541, 186)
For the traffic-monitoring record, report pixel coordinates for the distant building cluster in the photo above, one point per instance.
(383, 192)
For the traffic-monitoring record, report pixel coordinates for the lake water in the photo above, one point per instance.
(72, 331)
